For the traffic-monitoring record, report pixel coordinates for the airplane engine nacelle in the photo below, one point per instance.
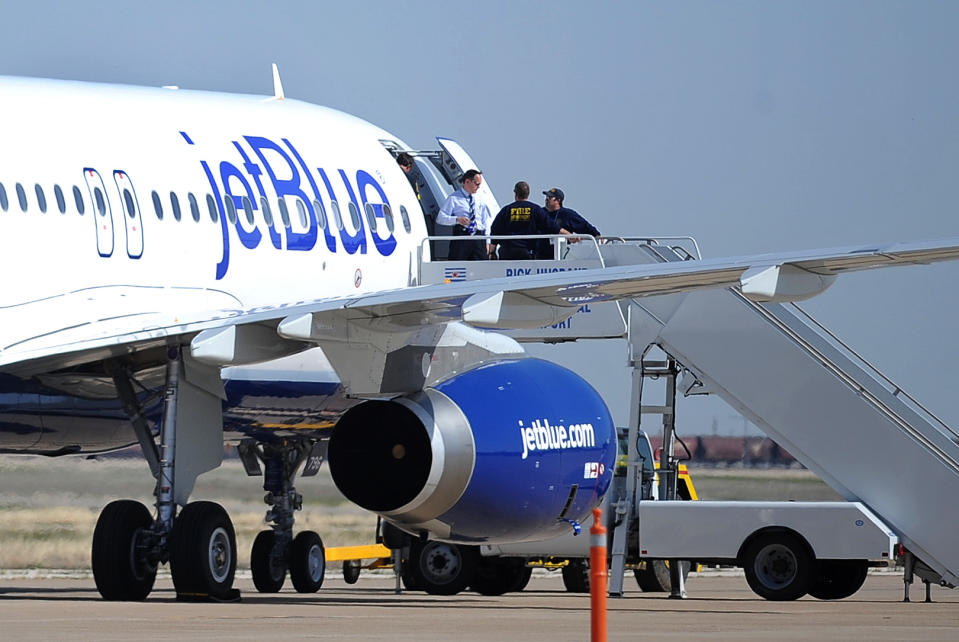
(507, 451)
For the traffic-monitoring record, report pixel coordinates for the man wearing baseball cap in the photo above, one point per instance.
(563, 217)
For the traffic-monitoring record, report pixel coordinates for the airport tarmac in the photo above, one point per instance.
(718, 607)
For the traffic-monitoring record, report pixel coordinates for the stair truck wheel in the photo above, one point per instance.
(779, 566)
(837, 579)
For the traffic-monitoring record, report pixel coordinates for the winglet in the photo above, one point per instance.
(277, 84)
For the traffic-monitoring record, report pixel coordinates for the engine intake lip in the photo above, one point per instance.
(409, 459)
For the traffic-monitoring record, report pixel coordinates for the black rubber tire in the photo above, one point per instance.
(522, 580)
(499, 575)
(203, 552)
(117, 571)
(351, 571)
(576, 576)
(655, 577)
(445, 569)
(307, 562)
(779, 566)
(410, 569)
(394, 538)
(268, 577)
(837, 579)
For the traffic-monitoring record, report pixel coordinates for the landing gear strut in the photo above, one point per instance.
(276, 551)
(200, 544)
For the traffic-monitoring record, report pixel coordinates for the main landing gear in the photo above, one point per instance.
(199, 543)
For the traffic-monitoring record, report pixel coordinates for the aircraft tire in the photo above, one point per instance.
(838, 579)
(307, 562)
(203, 552)
(522, 581)
(267, 576)
(499, 575)
(117, 572)
(576, 576)
(445, 569)
(655, 577)
(351, 571)
(779, 566)
(410, 573)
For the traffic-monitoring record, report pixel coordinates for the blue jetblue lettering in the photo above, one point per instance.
(364, 180)
(357, 241)
(330, 239)
(286, 174)
(303, 241)
(254, 170)
(227, 171)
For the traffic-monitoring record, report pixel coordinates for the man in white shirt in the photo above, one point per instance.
(469, 217)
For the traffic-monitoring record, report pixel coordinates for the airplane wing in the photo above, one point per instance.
(499, 303)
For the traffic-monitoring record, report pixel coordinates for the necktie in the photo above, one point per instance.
(472, 226)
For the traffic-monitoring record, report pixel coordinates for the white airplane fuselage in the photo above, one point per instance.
(93, 176)
(199, 144)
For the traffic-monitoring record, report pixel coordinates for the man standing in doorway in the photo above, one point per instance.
(564, 217)
(423, 194)
(469, 217)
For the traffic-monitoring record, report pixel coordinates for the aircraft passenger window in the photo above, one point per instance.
(284, 211)
(355, 216)
(230, 209)
(41, 199)
(61, 204)
(337, 219)
(211, 205)
(388, 216)
(78, 199)
(22, 197)
(267, 213)
(304, 217)
(101, 203)
(247, 209)
(3, 198)
(175, 204)
(157, 205)
(128, 200)
(320, 214)
(406, 219)
(370, 217)
(194, 208)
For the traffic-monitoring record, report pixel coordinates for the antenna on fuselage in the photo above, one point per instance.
(277, 84)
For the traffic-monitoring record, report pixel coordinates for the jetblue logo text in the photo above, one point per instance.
(542, 435)
(264, 169)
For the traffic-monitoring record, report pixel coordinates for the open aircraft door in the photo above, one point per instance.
(102, 213)
(455, 162)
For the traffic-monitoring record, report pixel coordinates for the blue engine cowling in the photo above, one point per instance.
(505, 452)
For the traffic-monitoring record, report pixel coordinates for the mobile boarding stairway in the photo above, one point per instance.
(787, 374)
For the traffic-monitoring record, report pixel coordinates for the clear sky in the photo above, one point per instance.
(752, 126)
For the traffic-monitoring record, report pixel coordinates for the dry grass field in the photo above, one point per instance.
(49, 507)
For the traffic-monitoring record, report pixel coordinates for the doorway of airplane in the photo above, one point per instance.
(102, 213)
(443, 170)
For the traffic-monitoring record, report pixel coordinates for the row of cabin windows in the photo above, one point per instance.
(213, 209)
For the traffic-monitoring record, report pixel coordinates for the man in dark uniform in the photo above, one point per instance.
(518, 218)
(423, 194)
(564, 217)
